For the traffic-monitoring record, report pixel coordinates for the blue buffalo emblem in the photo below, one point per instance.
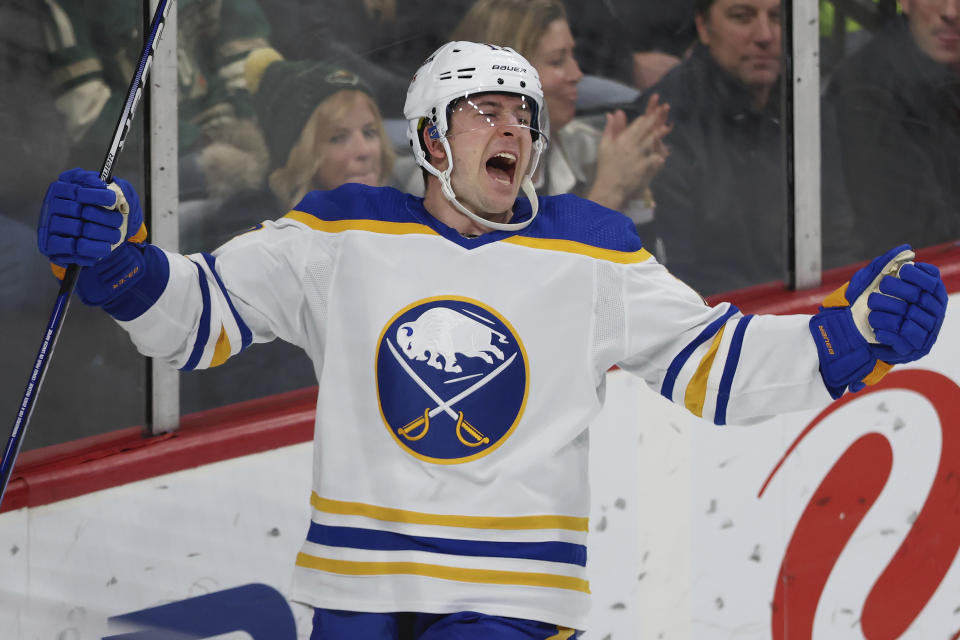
(452, 379)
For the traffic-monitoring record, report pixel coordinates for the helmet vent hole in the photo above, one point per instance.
(522, 84)
(499, 80)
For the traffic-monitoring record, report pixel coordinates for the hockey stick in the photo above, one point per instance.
(62, 303)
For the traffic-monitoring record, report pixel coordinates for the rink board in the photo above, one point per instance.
(843, 523)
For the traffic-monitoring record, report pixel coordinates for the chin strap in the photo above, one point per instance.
(526, 185)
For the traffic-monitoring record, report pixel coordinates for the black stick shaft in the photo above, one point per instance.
(62, 303)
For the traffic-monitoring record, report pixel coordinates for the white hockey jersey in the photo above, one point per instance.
(457, 380)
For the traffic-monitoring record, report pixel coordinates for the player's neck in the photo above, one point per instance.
(443, 210)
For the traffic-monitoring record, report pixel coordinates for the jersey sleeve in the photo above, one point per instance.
(216, 304)
(717, 362)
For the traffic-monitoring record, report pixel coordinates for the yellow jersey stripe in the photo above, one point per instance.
(375, 226)
(405, 228)
(470, 522)
(697, 389)
(484, 576)
(222, 351)
(562, 634)
(571, 246)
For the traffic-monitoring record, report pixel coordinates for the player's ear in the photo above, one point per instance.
(431, 141)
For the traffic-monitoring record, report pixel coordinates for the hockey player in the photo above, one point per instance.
(461, 343)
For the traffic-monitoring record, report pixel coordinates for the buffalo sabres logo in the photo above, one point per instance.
(452, 379)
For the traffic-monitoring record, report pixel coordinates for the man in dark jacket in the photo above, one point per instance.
(720, 216)
(897, 102)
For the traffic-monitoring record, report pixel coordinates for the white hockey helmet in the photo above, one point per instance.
(458, 70)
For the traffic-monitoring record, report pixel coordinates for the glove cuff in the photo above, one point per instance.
(109, 278)
(141, 294)
(126, 283)
(845, 357)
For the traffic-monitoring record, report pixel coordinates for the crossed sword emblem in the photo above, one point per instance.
(446, 406)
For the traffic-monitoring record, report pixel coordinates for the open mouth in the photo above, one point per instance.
(502, 167)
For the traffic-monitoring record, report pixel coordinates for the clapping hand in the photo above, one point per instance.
(630, 155)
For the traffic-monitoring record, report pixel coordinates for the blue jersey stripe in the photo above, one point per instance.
(371, 539)
(203, 332)
(681, 359)
(246, 336)
(729, 369)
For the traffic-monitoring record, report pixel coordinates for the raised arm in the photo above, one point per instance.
(729, 367)
(192, 311)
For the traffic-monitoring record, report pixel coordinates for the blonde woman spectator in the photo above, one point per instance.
(611, 168)
(322, 126)
(322, 129)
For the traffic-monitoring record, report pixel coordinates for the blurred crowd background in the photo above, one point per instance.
(670, 112)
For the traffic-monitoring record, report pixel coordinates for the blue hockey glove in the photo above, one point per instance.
(890, 312)
(86, 222)
(908, 313)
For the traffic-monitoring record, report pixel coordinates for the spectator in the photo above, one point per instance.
(383, 41)
(634, 41)
(612, 168)
(324, 130)
(324, 127)
(31, 135)
(90, 363)
(31, 129)
(720, 220)
(94, 46)
(897, 102)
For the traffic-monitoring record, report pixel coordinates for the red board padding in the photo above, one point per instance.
(71, 469)
(774, 298)
(74, 468)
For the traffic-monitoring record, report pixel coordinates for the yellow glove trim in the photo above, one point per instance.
(838, 298)
(879, 370)
(140, 235)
